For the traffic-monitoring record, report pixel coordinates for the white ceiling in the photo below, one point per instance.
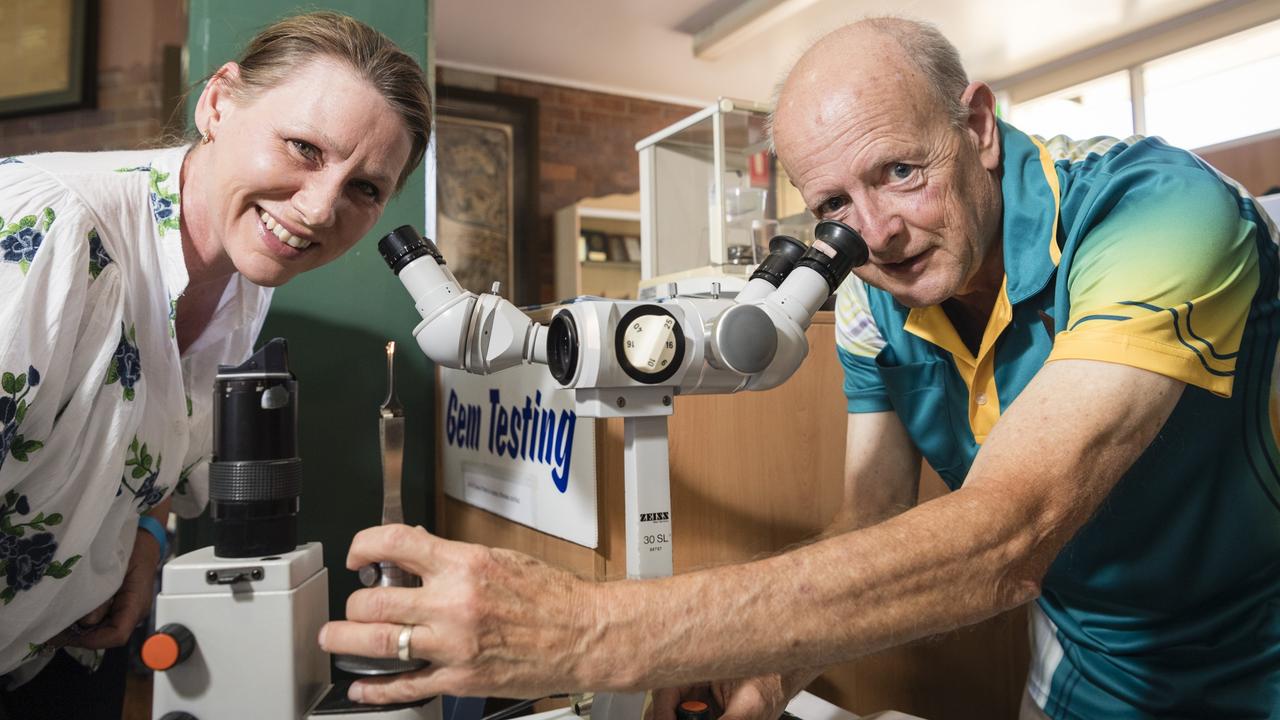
(645, 47)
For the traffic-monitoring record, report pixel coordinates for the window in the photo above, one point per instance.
(1204, 95)
(1096, 107)
(1216, 92)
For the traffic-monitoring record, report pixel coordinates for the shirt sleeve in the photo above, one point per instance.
(1165, 279)
(858, 342)
(46, 278)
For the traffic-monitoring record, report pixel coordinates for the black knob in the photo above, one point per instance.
(177, 715)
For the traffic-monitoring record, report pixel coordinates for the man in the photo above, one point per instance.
(1080, 340)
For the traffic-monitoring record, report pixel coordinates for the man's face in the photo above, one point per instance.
(887, 162)
(299, 173)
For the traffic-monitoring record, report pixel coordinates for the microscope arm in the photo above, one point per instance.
(480, 334)
(688, 344)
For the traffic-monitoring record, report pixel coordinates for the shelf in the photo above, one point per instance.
(588, 213)
(609, 264)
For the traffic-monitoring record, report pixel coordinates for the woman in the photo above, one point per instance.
(128, 277)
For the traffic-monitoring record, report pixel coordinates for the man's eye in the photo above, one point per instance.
(831, 205)
(901, 171)
(305, 149)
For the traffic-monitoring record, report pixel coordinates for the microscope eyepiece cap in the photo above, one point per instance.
(837, 249)
(404, 245)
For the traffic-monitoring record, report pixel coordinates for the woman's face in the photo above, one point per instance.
(295, 175)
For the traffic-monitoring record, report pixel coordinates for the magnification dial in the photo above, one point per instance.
(649, 344)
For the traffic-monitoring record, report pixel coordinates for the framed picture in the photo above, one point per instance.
(48, 49)
(486, 212)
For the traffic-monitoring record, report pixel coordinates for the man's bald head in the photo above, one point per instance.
(888, 54)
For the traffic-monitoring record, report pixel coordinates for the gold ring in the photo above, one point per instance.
(403, 651)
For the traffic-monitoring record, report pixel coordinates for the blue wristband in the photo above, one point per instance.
(153, 526)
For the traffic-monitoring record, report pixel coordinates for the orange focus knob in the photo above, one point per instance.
(693, 710)
(167, 647)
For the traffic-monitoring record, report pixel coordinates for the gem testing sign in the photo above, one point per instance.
(514, 445)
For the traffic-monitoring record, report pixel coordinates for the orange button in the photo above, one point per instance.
(160, 651)
(695, 706)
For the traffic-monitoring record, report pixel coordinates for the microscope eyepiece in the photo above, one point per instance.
(784, 252)
(404, 245)
(562, 347)
(837, 249)
(255, 478)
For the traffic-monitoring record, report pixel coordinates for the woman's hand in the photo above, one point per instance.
(488, 621)
(112, 622)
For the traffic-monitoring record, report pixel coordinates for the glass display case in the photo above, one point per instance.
(708, 199)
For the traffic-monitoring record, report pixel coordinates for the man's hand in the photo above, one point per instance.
(490, 621)
(113, 621)
(756, 698)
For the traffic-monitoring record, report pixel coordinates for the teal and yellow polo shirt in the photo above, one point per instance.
(1167, 602)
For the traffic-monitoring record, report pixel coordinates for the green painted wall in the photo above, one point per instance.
(338, 319)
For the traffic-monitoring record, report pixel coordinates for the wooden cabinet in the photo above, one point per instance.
(752, 474)
(598, 248)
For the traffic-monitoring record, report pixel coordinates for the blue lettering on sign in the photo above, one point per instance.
(528, 432)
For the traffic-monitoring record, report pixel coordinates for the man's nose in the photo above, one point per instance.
(877, 226)
(317, 201)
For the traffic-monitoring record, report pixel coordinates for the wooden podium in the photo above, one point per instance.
(751, 474)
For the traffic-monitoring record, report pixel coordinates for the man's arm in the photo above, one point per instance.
(881, 472)
(881, 480)
(499, 622)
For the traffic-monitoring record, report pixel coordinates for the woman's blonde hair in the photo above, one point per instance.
(276, 52)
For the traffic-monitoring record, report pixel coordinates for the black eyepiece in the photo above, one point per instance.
(837, 249)
(562, 347)
(784, 252)
(255, 478)
(404, 245)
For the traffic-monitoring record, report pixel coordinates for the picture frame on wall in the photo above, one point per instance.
(48, 49)
(486, 189)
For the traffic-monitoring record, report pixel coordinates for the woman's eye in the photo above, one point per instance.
(368, 189)
(901, 171)
(305, 149)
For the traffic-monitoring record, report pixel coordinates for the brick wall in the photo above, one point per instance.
(586, 147)
(132, 104)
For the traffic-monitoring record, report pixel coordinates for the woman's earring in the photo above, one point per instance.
(205, 137)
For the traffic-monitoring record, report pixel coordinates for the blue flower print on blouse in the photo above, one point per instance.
(19, 240)
(163, 203)
(126, 365)
(26, 559)
(13, 410)
(10, 161)
(149, 492)
(98, 257)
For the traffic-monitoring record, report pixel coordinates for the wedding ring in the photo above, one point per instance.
(402, 643)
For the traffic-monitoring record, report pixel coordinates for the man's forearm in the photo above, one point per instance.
(941, 566)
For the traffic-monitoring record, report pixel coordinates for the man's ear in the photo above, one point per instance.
(982, 127)
(215, 100)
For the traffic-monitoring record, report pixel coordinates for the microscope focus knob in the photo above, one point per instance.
(178, 715)
(167, 647)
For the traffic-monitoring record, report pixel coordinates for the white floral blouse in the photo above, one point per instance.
(100, 417)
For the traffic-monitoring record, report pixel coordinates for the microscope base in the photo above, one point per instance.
(255, 622)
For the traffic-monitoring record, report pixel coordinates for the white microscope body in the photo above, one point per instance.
(237, 623)
(629, 359)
